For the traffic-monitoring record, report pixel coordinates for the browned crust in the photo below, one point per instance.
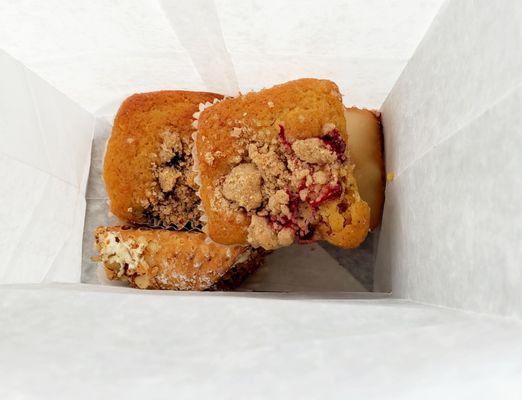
(365, 140)
(236, 275)
(303, 107)
(181, 260)
(135, 142)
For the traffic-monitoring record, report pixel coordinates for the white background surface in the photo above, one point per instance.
(44, 160)
(98, 52)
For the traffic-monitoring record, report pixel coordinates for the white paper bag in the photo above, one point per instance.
(451, 234)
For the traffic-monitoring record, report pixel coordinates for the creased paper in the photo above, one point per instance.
(44, 161)
(63, 340)
(452, 230)
(112, 51)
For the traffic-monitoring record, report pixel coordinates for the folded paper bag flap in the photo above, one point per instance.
(44, 163)
(452, 226)
(136, 46)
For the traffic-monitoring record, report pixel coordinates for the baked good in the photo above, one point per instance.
(365, 141)
(274, 168)
(148, 167)
(149, 177)
(162, 259)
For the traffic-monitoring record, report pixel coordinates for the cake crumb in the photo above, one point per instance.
(320, 177)
(313, 151)
(277, 201)
(260, 234)
(243, 185)
(285, 237)
(167, 178)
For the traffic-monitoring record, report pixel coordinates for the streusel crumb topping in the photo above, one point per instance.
(172, 199)
(281, 184)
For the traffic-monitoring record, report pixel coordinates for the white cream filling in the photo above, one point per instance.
(117, 251)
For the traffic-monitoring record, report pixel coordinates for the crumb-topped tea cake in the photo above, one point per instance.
(148, 167)
(162, 259)
(274, 168)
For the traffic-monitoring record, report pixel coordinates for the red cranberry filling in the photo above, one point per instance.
(327, 192)
(284, 141)
(281, 222)
(317, 195)
(342, 207)
(335, 143)
(293, 203)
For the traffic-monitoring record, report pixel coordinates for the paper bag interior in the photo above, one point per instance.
(450, 110)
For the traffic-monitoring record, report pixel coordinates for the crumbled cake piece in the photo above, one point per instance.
(285, 237)
(278, 203)
(167, 177)
(162, 259)
(243, 186)
(284, 168)
(313, 151)
(262, 234)
(148, 167)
